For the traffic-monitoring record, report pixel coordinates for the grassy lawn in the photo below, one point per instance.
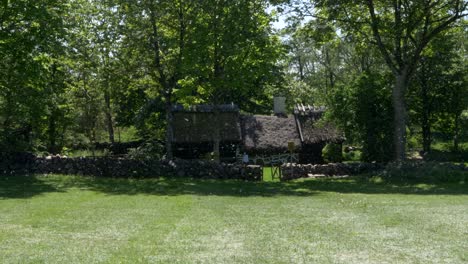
(67, 219)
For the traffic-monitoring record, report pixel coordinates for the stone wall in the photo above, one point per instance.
(24, 163)
(292, 171)
(121, 167)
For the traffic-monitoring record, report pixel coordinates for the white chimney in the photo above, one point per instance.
(279, 105)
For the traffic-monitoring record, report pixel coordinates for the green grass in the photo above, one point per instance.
(68, 219)
(86, 153)
(448, 146)
(268, 175)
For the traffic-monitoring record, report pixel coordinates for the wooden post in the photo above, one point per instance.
(291, 148)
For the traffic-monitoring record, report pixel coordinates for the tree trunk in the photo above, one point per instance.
(216, 136)
(456, 131)
(216, 152)
(52, 133)
(426, 113)
(301, 68)
(218, 78)
(110, 126)
(8, 113)
(169, 131)
(426, 135)
(93, 142)
(399, 109)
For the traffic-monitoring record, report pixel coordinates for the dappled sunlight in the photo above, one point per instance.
(29, 186)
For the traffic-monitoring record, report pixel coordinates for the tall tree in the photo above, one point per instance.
(161, 35)
(401, 30)
(203, 51)
(31, 39)
(438, 83)
(239, 58)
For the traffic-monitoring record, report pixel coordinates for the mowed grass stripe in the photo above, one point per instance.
(86, 220)
(90, 230)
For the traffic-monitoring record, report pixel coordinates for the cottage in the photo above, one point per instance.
(197, 128)
(262, 134)
(314, 133)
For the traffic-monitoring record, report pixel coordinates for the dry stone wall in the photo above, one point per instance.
(124, 168)
(132, 168)
(291, 171)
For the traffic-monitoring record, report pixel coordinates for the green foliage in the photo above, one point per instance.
(374, 117)
(354, 155)
(81, 68)
(31, 42)
(401, 31)
(364, 110)
(147, 151)
(439, 92)
(443, 151)
(315, 62)
(333, 152)
(127, 134)
(75, 72)
(426, 173)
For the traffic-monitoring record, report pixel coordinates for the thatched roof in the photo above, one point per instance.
(269, 133)
(200, 127)
(311, 112)
(313, 132)
(259, 133)
(310, 130)
(205, 108)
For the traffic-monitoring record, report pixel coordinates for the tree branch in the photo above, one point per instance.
(381, 46)
(157, 49)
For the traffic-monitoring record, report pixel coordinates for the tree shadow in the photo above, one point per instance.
(26, 187)
(268, 189)
(364, 185)
(186, 186)
(447, 156)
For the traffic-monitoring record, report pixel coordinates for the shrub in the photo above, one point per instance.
(333, 153)
(352, 155)
(148, 150)
(363, 109)
(427, 172)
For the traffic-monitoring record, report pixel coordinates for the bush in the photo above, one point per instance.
(148, 150)
(333, 153)
(427, 172)
(446, 156)
(353, 154)
(363, 109)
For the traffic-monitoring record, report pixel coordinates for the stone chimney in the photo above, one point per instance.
(279, 105)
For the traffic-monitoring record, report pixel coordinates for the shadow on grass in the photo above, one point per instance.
(447, 156)
(21, 186)
(25, 187)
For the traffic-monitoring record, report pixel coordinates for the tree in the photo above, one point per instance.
(31, 42)
(167, 20)
(95, 45)
(401, 30)
(373, 111)
(439, 85)
(315, 60)
(202, 52)
(236, 55)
